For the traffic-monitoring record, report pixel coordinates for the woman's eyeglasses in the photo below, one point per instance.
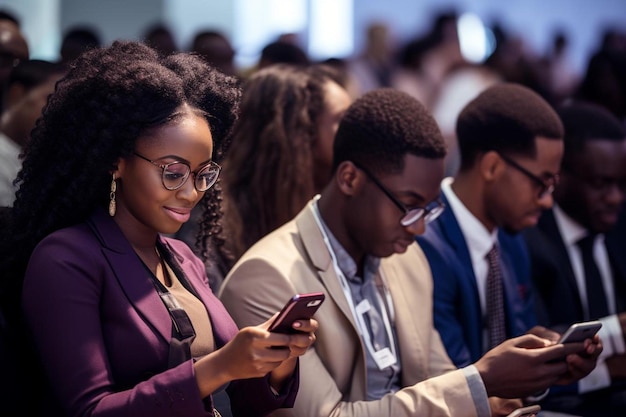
(176, 173)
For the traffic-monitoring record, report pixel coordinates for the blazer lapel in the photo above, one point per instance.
(131, 274)
(452, 233)
(408, 327)
(318, 252)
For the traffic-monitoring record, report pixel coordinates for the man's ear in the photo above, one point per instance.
(491, 166)
(349, 178)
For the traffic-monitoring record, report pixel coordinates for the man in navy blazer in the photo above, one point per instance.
(588, 204)
(457, 308)
(510, 142)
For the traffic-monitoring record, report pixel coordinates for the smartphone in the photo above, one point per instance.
(578, 332)
(529, 411)
(300, 306)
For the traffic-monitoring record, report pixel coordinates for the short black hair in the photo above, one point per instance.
(585, 121)
(78, 40)
(280, 52)
(383, 126)
(507, 118)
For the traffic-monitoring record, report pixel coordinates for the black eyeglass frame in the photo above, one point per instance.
(545, 187)
(410, 215)
(164, 167)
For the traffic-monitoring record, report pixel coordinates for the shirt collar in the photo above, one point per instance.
(571, 230)
(479, 240)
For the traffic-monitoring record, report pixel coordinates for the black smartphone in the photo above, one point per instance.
(529, 411)
(299, 307)
(578, 332)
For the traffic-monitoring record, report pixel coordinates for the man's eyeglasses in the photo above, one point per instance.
(411, 215)
(545, 186)
(176, 173)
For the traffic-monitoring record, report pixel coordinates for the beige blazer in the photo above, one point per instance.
(294, 259)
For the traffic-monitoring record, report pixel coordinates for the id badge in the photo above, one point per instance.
(384, 358)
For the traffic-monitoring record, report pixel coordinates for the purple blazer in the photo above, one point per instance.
(103, 332)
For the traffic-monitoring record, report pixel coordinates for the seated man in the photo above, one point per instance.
(584, 221)
(377, 353)
(511, 143)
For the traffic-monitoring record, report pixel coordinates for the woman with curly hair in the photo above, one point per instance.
(122, 318)
(282, 149)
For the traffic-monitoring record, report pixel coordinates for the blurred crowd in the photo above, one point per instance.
(431, 67)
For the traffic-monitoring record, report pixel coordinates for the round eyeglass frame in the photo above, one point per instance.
(212, 167)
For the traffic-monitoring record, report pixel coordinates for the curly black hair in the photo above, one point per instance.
(506, 117)
(109, 97)
(383, 126)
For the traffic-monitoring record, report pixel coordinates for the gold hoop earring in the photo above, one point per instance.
(112, 205)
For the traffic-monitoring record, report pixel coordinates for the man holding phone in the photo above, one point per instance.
(577, 254)
(510, 143)
(377, 352)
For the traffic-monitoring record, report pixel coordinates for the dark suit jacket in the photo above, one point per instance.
(558, 305)
(457, 311)
(103, 332)
(558, 300)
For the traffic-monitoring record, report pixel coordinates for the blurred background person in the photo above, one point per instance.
(77, 40)
(13, 49)
(604, 81)
(216, 49)
(373, 67)
(29, 85)
(161, 38)
(281, 153)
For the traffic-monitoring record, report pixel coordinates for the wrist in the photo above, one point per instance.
(282, 373)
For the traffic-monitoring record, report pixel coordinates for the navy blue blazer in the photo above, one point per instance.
(457, 312)
(103, 332)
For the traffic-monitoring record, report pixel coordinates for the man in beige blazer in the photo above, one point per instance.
(388, 166)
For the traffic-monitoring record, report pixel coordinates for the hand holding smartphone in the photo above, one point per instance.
(529, 411)
(578, 332)
(299, 307)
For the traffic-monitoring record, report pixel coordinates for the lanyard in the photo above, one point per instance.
(384, 357)
(182, 324)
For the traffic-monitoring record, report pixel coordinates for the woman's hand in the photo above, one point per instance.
(299, 343)
(254, 352)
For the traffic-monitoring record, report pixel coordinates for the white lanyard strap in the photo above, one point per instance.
(383, 357)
